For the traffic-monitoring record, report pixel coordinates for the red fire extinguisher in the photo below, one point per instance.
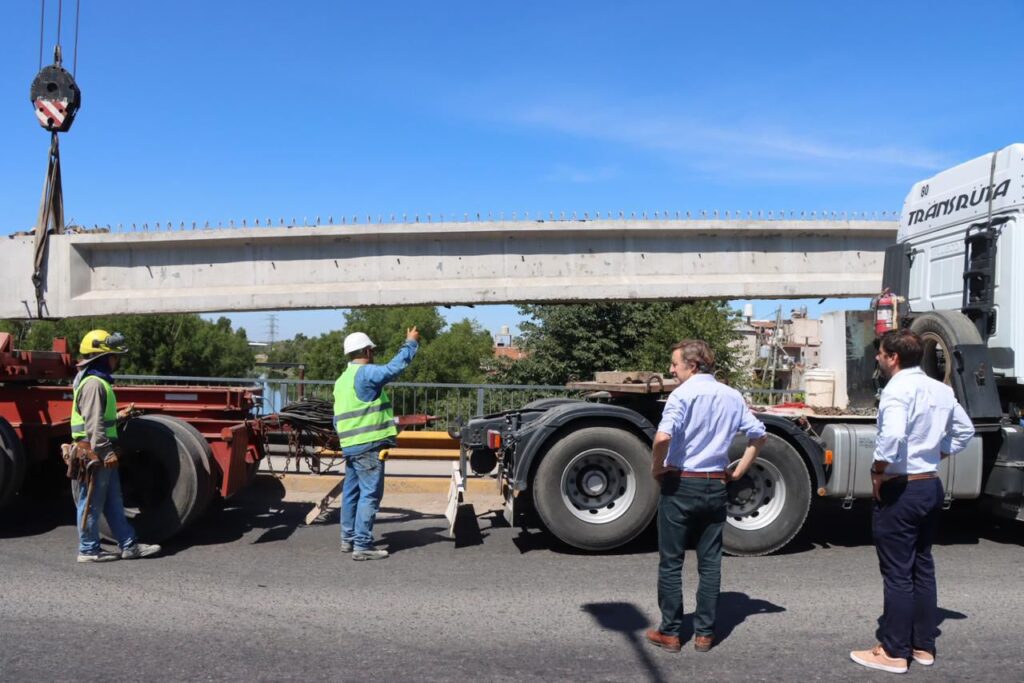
(886, 313)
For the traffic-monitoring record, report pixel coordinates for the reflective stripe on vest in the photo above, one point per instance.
(78, 432)
(356, 421)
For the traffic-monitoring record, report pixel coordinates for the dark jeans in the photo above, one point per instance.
(690, 509)
(904, 525)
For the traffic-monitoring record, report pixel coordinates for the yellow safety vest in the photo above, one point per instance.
(356, 421)
(78, 432)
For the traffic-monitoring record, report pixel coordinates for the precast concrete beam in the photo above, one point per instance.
(251, 269)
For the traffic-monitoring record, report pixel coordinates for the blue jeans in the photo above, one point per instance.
(106, 500)
(360, 498)
(904, 525)
(690, 509)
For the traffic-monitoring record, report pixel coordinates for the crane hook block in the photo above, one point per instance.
(56, 98)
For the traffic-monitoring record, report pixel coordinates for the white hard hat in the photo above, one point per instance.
(357, 341)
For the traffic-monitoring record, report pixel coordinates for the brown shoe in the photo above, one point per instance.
(876, 658)
(703, 643)
(665, 642)
(923, 657)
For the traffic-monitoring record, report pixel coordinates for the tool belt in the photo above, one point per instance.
(82, 461)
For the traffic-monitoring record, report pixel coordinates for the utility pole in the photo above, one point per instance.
(271, 330)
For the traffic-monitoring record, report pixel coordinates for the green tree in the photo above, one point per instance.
(566, 342)
(455, 354)
(460, 354)
(158, 344)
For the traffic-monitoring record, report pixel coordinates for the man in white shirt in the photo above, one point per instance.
(690, 459)
(919, 423)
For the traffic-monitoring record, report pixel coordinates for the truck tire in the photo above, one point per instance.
(940, 331)
(12, 462)
(201, 453)
(593, 488)
(769, 505)
(162, 480)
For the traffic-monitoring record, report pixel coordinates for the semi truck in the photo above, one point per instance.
(580, 468)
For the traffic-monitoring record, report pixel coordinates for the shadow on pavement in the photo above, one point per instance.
(258, 507)
(36, 515)
(828, 525)
(533, 539)
(733, 610)
(627, 619)
(943, 615)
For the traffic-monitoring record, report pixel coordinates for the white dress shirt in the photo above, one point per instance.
(702, 416)
(918, 420)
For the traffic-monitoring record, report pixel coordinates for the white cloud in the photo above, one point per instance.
(740, 149)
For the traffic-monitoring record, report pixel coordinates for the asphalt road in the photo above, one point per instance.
(252, 595)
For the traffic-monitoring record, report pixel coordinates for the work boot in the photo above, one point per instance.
(923, 657)
(101, 556)
(137, 550)
(662, 640)
(876, 658)
(359, 555)
(703, 643)
(346, 546)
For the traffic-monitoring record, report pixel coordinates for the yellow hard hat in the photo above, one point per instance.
(102, 342)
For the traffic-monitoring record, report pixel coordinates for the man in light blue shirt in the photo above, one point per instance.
(690, 458)
(919, 423)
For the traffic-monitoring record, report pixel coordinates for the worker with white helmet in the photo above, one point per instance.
(94, 431)
(365, 422)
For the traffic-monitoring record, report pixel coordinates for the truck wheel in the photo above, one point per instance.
(593, 489)
(162, 480)
(767, 507)
(12, 462)
(940, 331)
(199, 449)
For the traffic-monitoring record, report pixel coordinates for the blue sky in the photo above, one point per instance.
(218, 111)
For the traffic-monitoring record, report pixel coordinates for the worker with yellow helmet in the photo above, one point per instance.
(94, 426)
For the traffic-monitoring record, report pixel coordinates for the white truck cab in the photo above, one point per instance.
(938, 215)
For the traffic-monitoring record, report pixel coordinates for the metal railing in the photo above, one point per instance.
(447, 402)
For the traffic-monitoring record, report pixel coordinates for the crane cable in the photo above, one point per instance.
(56, 99)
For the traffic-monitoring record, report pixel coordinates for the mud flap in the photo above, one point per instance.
(456, 498)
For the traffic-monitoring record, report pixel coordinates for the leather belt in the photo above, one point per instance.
(689, 474)
(913, 477)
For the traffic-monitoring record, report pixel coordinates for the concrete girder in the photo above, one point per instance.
(248, 269)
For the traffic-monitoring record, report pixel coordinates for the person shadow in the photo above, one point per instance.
(943, 615)
(628, 620)
(733, 610)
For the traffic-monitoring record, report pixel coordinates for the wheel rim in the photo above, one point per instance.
(756, 500)
(935, 357)
(598, 486)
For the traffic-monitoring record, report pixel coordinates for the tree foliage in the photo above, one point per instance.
(566, 342)
(459, 353)
(158, 344)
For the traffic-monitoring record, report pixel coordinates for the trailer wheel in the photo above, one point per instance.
(593, 489)
(199, 449)
(768, 506)
(161, 479)
(12, 462)
(940, 331)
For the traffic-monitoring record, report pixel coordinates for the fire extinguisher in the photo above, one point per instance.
(886, 306)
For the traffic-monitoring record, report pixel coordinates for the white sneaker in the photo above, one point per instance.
(137, 550)
(101, 556)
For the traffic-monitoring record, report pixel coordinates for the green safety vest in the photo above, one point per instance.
(356, 421)
(109, 414)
